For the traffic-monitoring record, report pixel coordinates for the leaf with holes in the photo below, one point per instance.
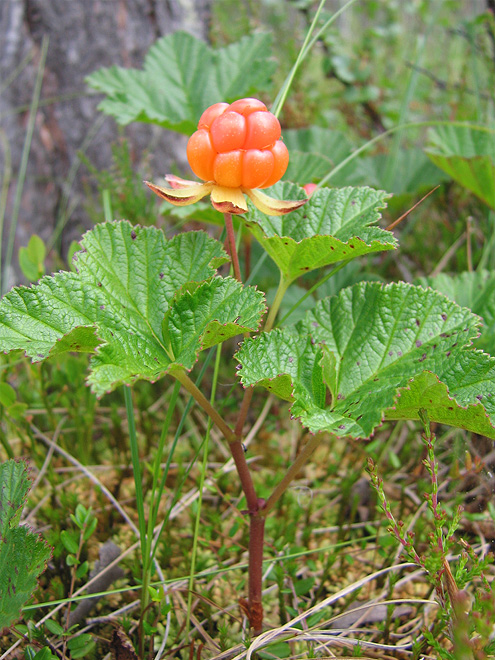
(345, 364)
(334, 225)
(475, 290)
(467, 154)
(427, 391)
(193, 75)
(143, 305)
(23, 554)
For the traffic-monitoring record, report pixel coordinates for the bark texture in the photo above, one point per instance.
(83, 36)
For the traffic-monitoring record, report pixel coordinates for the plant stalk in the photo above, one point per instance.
(237, 451)
(229, 226)
(272, 314)
(246, 402)
(200, 398)
(256, 538)
(291, 474)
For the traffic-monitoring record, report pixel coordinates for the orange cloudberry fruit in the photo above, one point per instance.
(238, 146)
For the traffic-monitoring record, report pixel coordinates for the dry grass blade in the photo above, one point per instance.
(270, 636)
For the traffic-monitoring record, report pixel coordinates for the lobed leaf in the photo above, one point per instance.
(475, 290)
(193, 75)
(23, 554)
(467, 154)
(344, 365)
(134, 292)
(427, 391)
(334, 225)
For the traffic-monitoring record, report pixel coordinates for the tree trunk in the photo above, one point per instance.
(83, 35)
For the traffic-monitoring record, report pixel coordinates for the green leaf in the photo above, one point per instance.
(17, 410)
(193, 75)
(277, 650)
(14, 487)
(334, 225)
(426, 390)
(303, 586)
(73, 248)
(71, 560)
(89, 531)
(70, 543)
(32, 257)
(467, 154)
(81, 645)
(7, 395)
(130, 302)
(475, 290)
(369, 342)
(23, 555)
(54, 627)
(44, 654)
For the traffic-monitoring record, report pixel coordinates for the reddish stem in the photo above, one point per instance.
(254, 608)
(233, 250)
(256, 539)
(246, 402)
(237, 451)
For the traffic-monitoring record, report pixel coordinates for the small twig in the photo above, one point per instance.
(446, 257)
(469, 251)
(291, 473)
(246, 402)
(404, 215)
(441, 84)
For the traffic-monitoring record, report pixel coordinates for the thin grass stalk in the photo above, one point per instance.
(324, 279)
(394, 129)
(16, 71)
(202, 477)
(171, 453)
(136, 468)
(200, 398)
(308, 43)
(25, 156)
(136, 465)
(487, 259)
(107, 205)
(157, 489)
(7, 176)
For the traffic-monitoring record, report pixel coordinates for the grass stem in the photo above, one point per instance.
(202, 478)
(25, 157)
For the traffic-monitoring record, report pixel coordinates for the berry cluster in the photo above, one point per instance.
(238, 146)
